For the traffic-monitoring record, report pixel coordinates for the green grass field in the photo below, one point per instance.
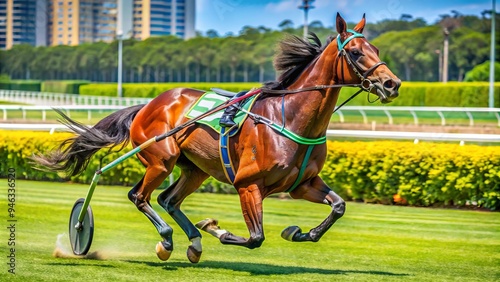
(370, 243)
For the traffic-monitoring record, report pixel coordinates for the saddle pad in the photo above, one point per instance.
(208, 101)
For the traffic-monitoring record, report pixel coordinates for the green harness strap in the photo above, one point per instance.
(303, 141)
(302, 169)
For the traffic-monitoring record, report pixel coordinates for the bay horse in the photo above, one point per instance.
(265, 161)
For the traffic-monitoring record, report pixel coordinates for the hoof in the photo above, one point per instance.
(161, 252)
(289, 232)
(193, 255)
(206, 224)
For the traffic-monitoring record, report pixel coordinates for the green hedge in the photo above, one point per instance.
(424, 174)
(26, 85)
(451, 94)
(150, 90)
(63, 86)
(435, 94)
(5, 84)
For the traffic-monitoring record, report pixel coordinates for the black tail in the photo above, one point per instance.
(73, 154)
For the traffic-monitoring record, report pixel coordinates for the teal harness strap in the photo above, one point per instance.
(297, 138)
(355, 34)
(294, 137)
(302, 169)
(303, 141)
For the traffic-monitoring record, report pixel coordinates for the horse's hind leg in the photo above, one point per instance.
(318, 192)
(171, 200)
(140, 195)
(251, 206)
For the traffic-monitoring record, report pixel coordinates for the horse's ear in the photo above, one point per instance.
(361, 25)
(341, 24)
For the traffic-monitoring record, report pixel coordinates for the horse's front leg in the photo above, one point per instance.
(251, 206)
(318, 192)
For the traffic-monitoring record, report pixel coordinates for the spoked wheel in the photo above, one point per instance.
(80, 235)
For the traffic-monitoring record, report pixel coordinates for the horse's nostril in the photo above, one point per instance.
(389, 84)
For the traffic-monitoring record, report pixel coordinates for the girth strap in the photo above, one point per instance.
(225, 155)
(302, 169)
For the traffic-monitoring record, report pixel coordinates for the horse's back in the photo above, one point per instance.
(166, 111)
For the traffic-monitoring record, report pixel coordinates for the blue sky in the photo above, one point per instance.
(231, 15)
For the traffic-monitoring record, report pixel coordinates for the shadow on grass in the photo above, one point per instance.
(262, 269)
(80, 264)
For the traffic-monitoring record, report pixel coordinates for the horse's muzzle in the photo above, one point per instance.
(387, 90)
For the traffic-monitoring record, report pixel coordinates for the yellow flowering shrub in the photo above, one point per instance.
(423, 174)
(16, 148)
(387, 172)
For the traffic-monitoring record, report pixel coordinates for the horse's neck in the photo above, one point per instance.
(315, 107)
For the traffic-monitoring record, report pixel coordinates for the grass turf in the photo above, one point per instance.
(370, 243)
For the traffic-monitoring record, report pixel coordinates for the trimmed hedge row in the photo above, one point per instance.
(26, 85)
(63, 86)
(435, 94)
(56, 86)
(451, 94)
(424, 174)
(150, 90)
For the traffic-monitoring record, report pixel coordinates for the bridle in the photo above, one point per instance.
(364, 85)
(356, 68)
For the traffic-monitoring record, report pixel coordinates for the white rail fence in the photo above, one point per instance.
(12, 111)
(389, 111)
(58, 99)
(93, 103)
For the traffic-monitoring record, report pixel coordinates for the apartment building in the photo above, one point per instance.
(73, 22)
(163, 17)
(23, 22)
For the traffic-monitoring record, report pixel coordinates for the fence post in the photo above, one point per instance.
(415, 118)
(471, 119)
(443, 120)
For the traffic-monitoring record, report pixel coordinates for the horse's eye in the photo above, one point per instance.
(356, 52)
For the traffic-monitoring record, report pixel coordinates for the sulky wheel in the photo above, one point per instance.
(81, 233)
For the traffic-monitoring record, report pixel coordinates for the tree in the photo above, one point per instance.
(234, 50)
(263, 53)
(285, 25)
(406, 17)
(212, 33)
(481, 72)
(408, 45)
(108, 61)
(18, 60)
(410, 51)
(468, 48)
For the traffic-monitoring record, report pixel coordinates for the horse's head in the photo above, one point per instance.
(358, 62)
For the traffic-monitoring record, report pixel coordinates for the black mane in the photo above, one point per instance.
(293, 56)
